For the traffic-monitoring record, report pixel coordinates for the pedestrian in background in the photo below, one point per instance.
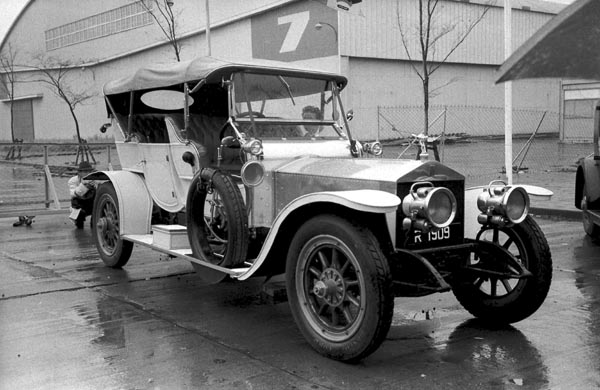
(82, 194)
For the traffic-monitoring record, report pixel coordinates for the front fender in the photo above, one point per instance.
(372, 201)
(135, 203)
(588, 173)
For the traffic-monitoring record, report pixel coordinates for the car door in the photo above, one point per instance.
(161, 177)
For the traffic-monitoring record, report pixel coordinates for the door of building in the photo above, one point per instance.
(23, 120)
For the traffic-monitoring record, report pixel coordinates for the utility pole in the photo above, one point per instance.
(508, 125)
(206, 7)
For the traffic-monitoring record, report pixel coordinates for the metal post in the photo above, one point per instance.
(206, 7)
(443, 143)
(508, 125)
(378, 124)
(108, 159)
(337, 43)
(46, 189)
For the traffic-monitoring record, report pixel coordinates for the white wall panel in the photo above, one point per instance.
(375, 32)
(389, 83)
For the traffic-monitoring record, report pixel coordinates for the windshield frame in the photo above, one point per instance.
(253, 120)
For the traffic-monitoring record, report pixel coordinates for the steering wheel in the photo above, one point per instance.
(247, 113)
(224, 129)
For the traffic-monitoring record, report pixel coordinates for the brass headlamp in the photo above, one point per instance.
(428, 208)
(502, 204)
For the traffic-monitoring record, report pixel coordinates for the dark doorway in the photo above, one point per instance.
(23, 120)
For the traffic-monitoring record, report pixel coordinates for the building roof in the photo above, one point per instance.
(543, 6)
(11, 10)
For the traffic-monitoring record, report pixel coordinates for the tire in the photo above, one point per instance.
(351, 320)
(510, 300)
(113, 250)
(590, 228)
(218, 235)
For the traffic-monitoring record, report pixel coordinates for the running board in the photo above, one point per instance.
(185, 254)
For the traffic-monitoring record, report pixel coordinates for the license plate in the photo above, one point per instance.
(432, 236)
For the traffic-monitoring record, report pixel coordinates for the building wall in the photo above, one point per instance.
(381, 74)
(103, 59)
(367, 38)
(374, 32)
(395, 86)
(117, 55)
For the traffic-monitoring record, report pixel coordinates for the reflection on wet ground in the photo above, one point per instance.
(68, 322)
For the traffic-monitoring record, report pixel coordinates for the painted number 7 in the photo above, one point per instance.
(298, 23)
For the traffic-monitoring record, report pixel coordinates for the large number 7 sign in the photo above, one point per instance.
(288, 34)
(298, 23)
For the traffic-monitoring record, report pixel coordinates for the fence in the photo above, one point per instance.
(34, 175)
(473, 142)
(401, 122)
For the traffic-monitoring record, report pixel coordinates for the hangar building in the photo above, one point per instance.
(97, 41)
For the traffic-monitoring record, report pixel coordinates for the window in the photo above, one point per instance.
(107, 23)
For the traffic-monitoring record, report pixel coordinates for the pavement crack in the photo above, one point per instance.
(77, 288)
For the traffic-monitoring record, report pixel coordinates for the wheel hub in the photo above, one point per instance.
(101, 225)
(330, 287)
(104, 225)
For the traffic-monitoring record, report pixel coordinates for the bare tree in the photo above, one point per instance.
(162, 12)
(8, 80)
(57, 75)
(429, 32)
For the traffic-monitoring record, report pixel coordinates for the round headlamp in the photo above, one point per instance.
(428, 207)
(501, 204)
(373, 148)
(253, 173)
(254, 147)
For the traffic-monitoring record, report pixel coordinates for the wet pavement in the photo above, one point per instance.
(68, 322)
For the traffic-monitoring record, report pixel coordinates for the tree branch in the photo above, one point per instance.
(462, 38)
(404, 42)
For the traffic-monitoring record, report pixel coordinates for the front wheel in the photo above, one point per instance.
(339, 288)
(113, 250)
(508, 300)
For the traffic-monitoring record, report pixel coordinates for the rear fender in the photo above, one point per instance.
(371, 201)
(135, 203)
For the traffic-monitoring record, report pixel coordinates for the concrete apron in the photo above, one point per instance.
(68, 322)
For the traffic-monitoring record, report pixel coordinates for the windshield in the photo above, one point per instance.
(285, 107)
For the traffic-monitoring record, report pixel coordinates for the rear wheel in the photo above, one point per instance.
(339, 288)
(508, 300)
(113, 250)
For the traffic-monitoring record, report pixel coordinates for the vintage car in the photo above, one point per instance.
(250, 169)
(587, 184)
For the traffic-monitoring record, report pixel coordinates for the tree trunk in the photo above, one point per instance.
(426, 104)
(76, 125)
(12, 119)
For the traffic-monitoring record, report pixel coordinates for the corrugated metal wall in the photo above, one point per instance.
(375, 31)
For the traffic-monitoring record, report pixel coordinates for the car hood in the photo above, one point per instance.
(369, 169)
(286, 180)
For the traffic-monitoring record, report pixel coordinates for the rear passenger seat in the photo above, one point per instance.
(150, 128)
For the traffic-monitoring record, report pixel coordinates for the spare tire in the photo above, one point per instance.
(217, 221)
